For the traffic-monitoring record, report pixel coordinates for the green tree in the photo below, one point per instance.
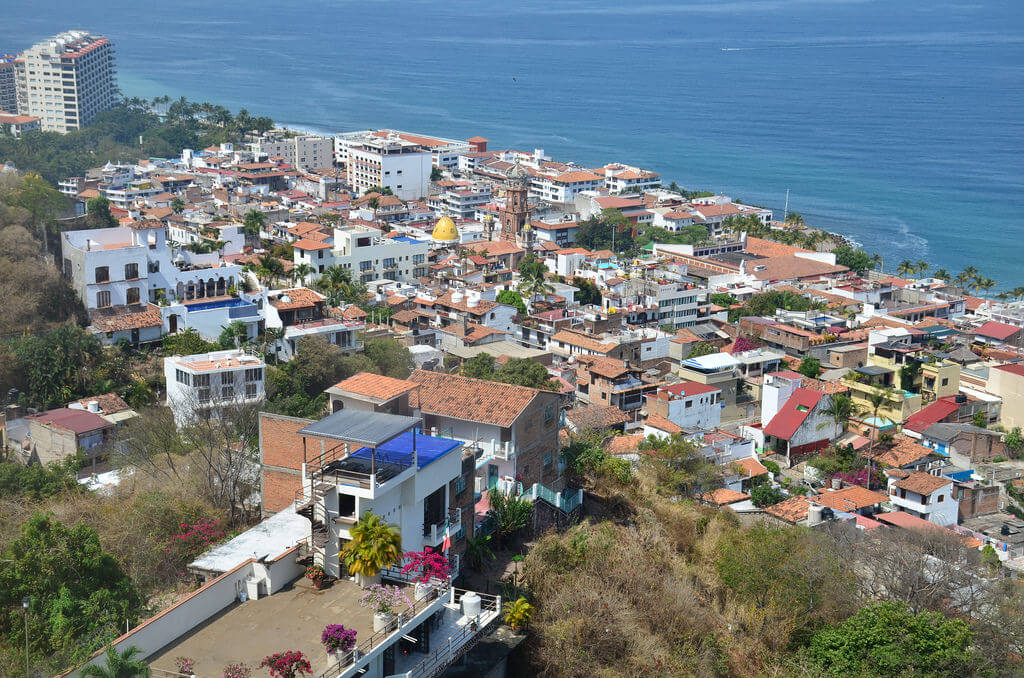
(98, 211)
(702, 348)
(840, 409)
(794, 219)
(301, 273)
(57, 364)
(80, 597)
(766, 495)
(588, 292)
(510, 514)
(38, 482)
(233, 335)
(980, 419)
(854, 259)
(124, 664)
(905, 268)
(1014, 441)
(887, 639)
(41, 200)
(187, 342)
(942, 274)
(512, 298)
(252, 224)
(525, 372)
(608, 230)
(177, 205)
(436, 174)
(809, 367)
(391, 358)
(480, 366)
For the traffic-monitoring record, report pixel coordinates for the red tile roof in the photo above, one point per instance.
(1012, 368)
(375, 386)
(922, 483)
(458, 397)
(662, 424)
(723, 496)
(299, 297)
(933, 414)
(792, 510)
(994, 330)
(623, 444)
(793, 414)
(850, 498)
(905, 450)
(689, 388)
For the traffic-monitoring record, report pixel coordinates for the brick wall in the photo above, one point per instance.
(536, 439)
(281, 459)
(977, 500)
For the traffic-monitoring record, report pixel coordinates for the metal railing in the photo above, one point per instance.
(349, 658)
(458, 643)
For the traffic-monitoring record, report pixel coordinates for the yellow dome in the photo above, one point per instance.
(445, 230)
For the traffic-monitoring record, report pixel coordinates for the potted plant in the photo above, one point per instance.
(287, 664)
(428, 566)
(316, 574)
(337, 640)
(517, 614)
(185, 665)
(233, 670)
(374, 546)
(385, 601)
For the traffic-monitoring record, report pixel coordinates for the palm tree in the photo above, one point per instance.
(122, 664)
(794, 219)
(840, 409)
(271, 336)
(374, 546)
(963, 280)
(1018, 292)
(877, 260)
(905, 268)
(941, 274)
(984, 284)
(252, 224)
(273, 265)
(301, 272)
(921, 266)
(478, 550)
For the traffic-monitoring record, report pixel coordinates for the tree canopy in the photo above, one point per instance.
(518, 371)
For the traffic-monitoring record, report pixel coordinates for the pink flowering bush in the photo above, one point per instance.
(237, 671)
(287, 664)
(384, 599)
(185, 664)
(193, 539)
(427, 564)
(336, 638)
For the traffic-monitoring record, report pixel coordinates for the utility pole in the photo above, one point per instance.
(25, 602)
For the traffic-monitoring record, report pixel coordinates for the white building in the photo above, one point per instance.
(304, 152)
(627, 179)
(389, 161)
(366, 253)
(205, 380)
(688, 404)
(563, 187)
(66, 80)
(926, 495)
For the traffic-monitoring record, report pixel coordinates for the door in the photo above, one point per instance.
(492, 476)
(172, 324)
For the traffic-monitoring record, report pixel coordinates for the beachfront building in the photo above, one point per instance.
(207, 381)
(303, 151)
(66, 80)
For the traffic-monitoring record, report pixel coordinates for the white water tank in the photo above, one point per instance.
(473, 300)
(814, 514)
(471, 604)
(457, 297)
(94, 406)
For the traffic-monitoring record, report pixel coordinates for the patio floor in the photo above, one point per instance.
(291, 619)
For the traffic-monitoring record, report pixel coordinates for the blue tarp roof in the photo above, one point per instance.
(428, 448)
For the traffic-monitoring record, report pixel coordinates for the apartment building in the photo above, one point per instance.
(66, 80)
(8, 84)
(620, 178)
(389, 161)
(366, 253)
(461, 201)
(926, 495)
(305, 152)
(208, 380)
(563, 187)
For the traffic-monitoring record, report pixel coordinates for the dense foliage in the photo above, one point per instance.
(517, 371)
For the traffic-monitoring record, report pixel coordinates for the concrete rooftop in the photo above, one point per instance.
(291, 619)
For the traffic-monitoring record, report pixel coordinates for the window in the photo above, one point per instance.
(419, 258)
(204, 395)
(182, 377)
(945, 382)
(103, 299)
(132, 295)
(253, 374)
(689, 404)
(154, 267)
(549, 413)
(227, 391)
(250, 390)
(131, 271)
(547, 459)
(202, 380)
(102, 274)
(460, 484)
(941, 498)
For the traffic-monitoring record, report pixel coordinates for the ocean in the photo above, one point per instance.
(896, 122)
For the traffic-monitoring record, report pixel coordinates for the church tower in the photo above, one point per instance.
(516, 212)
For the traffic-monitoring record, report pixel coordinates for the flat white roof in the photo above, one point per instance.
(712, 361)
(269, 539)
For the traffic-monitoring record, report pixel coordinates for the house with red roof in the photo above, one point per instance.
(58, 434)
(800, 425)
(994, 332)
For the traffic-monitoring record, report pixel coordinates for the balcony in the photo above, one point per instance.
(433, 533)
(909, 504)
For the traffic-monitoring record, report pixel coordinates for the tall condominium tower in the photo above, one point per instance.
(8, 89)
(66, 80)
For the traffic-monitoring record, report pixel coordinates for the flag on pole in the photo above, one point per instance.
(447, 543)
